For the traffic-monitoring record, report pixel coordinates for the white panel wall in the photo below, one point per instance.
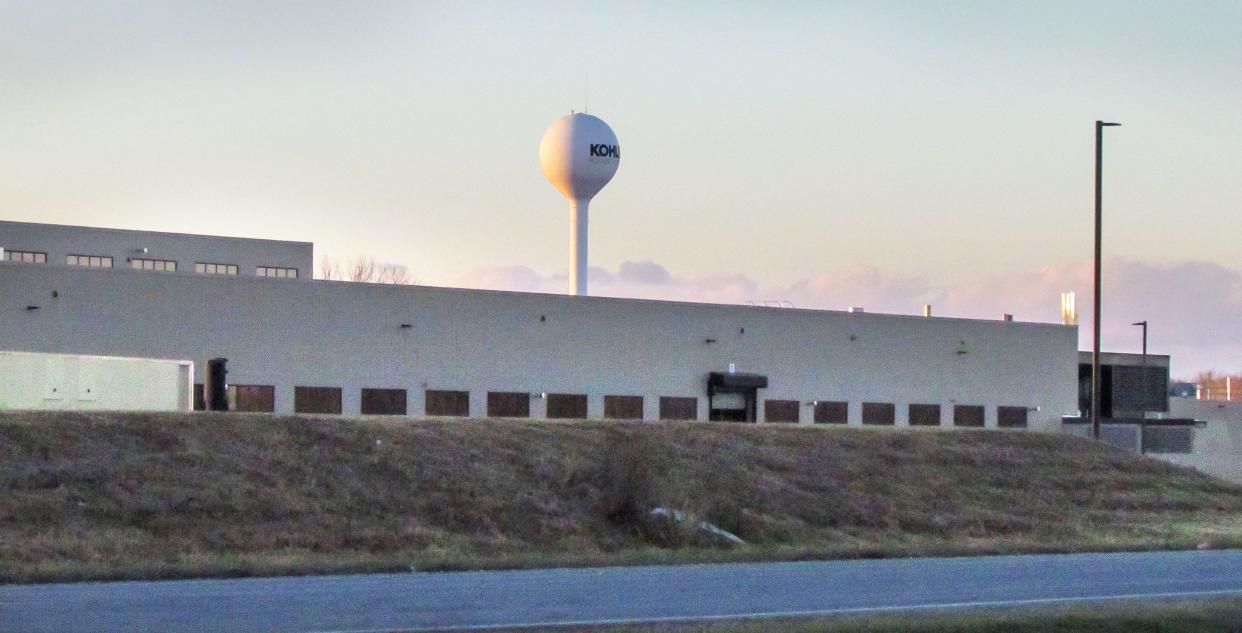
(1218, 443)
(62, 381)
(122, 245)
(313, 333)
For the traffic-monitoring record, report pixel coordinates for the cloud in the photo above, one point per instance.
(1194, 308)
(647, 272)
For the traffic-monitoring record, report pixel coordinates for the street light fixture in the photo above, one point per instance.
(1144, 326)
(1095, 349)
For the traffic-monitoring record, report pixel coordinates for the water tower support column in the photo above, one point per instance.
(578, 247)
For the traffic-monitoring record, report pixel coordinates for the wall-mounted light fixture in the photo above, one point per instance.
(31, 308)
(709, 341)
(406, 326)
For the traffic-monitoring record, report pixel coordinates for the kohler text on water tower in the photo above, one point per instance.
(579, 155)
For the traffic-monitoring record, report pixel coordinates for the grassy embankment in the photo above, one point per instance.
(109, 496)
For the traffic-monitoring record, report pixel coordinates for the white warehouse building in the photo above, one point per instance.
(295, 344)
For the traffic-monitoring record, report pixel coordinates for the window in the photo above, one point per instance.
(879, 413)
(90, 261)
(162, 265)
(273, 271)
(967, 415)
(623, 407)
(924, 415)
(508, 404)
(252, 398)
(203, 268)
(1011, 417)
(674, 408)
(829, 412)
(317, 400)
(1168, 439)
(567, 406)
(25, 257)
(383, 402)
(781, 410)
(448, 403)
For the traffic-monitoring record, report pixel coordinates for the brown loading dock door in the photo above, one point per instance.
(733, 397)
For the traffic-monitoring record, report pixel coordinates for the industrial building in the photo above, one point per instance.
(295, 344)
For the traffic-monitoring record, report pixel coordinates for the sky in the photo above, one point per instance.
(825, 154)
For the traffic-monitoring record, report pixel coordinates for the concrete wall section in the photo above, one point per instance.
(1217, 443)
(121, 245)
(63, 381)
(314, 333)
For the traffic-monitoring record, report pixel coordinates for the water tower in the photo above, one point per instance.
(579, 155)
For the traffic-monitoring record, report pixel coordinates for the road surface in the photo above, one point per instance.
(581, 597)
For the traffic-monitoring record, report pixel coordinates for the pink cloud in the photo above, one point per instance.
(1193, 307)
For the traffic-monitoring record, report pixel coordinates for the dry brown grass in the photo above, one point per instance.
(95, 496)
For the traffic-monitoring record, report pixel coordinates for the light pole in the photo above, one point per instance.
(1095, 349)
(1146, 385)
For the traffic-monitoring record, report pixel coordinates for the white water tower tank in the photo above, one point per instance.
(579, 154)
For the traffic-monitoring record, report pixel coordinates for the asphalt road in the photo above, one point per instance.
(483, 600)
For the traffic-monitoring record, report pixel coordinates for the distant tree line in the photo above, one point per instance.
(365, 269)
(1214, 385)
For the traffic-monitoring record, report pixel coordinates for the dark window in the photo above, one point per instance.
(879, 413)
(924, 415)
(448, 403)
(673, 408)
(623, 407)
(829, 412)
(1169, 439)
(252, 398)
(200, 403)
(967, 415)
(317, 399)
(383, 402)
(1011, 417)
(1136, 388)
(567, 406)
(505, 404)
(781, 410)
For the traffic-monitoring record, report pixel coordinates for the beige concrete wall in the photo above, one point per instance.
(315, 333)
(64, 381)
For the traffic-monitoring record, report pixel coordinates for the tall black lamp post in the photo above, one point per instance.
(1095, 349)
(1146, 389)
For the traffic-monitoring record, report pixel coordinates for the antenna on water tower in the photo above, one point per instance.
(579, 154)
